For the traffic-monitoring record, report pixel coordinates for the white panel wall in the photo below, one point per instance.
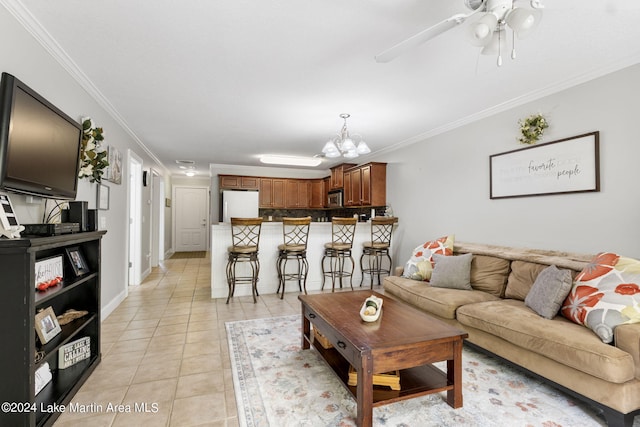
(441, 185)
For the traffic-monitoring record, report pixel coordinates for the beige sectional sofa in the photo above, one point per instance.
(494, 314)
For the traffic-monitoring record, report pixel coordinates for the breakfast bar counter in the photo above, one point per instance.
(270, 238)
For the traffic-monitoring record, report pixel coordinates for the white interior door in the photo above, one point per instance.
(191, 218)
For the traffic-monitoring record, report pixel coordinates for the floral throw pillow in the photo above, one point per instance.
(420, 265)
(605, 294)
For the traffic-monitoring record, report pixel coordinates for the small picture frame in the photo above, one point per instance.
(47, 325)
(77, 261)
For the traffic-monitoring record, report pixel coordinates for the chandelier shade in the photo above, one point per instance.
(344, 145)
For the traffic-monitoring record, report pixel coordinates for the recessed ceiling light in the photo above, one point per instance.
(190, 173)
(290, 160)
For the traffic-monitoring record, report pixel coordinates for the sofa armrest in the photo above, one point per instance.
(627, 338)
(398, 271)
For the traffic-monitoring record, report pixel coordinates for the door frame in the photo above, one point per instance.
(134, 211)
(157, 218)
(207, 241)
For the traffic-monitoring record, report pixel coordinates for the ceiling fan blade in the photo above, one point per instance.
(420, 38)
(430, 33)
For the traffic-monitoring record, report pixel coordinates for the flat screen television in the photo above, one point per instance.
(39, 144)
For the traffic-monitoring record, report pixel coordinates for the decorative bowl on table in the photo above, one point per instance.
(371, 309)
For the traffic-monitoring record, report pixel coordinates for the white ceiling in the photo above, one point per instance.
(223, 81)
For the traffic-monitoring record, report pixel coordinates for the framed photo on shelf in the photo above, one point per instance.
(77, 261)
(47, 325)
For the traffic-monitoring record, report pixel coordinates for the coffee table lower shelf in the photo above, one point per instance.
(414, 382)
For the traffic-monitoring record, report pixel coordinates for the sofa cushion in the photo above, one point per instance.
(558, 339)
(489, 274)
(605, 294)
(453, 272)
(523, 275)
(442, 302)
(420, 266)
(549, 291)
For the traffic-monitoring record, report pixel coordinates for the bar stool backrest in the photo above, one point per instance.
(343, 230)
(296, 231)
(382, 228)
(245, 232)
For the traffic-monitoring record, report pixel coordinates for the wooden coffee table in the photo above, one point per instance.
(403, 338)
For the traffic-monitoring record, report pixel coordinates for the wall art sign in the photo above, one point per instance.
(570, 165)
(74, 352)
(48, 272)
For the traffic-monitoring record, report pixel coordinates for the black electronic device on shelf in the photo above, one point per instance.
(51, 229)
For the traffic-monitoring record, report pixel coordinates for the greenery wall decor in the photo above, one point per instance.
(532, 128)
(93, 157)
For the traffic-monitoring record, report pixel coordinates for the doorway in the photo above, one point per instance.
(135, 218)
(191, 213)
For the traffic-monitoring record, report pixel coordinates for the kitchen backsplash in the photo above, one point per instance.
(319, 215)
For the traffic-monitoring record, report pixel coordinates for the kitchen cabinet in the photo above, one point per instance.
(326, 187)
(237, 182)
(317, 194)
(366, 185)
(272, 193)
(353, 187)
(297, 193)
(337, 175)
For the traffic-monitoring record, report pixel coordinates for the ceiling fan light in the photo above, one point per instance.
(524, 21)
(481, 31)
(363, 148)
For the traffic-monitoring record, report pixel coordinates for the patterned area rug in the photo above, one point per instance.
(183, 255)
(278, 384)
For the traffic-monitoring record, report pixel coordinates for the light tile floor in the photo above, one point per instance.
(165, 347)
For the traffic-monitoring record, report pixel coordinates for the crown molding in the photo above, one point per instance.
(513, 103)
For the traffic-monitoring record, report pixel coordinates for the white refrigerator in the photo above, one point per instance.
(239, 204)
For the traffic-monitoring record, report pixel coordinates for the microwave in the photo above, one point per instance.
(335, 199)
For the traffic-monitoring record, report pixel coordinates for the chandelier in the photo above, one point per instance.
(489, 30)
(344, 144)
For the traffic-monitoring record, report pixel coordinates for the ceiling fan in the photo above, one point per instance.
(490, 18)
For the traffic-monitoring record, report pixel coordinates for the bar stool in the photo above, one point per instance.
(342, 231)
(378, 247)
(245, 238)
(295, 232)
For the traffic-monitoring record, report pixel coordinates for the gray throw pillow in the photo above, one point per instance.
(549, 291)
(452, 272)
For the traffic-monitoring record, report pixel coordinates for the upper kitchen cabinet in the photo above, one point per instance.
(337, 175)
(366, 185)
(317, 193)
(272, 193)
(235, 182)
(297, 193)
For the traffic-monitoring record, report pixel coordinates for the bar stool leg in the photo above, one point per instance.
(230, 279)
(353, 267)
(305, 267)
